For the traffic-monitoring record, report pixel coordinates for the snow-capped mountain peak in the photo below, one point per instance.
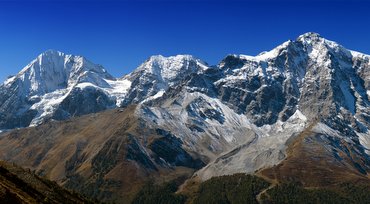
(170, 67)
(53, 70)
(157, 74)
(40, 89)
(315, 42)
(309, 37)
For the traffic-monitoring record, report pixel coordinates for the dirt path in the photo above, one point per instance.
(273, 183)
(259, 196)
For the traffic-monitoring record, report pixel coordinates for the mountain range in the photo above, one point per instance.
(299, 112)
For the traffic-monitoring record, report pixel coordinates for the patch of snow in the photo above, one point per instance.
(85, 85)
(295, 124)
(119, 89)
(358, 54)
(170, 68)
(155, 96)
(264, 56)
(158, 94)
(324, 129)
(202, 65)
(9, 81)
(298, 115)
(364, 139)
(317, 54)
(348, 97)
(47, 105)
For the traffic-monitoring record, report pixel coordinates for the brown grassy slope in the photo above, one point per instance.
(311, 161)
(20, 186)
(99, 155)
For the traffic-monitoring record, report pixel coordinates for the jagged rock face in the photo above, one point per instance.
(158, 74)
(266, 88)
(275, 95)
(310, 72)
(83, 101)
(9, 118)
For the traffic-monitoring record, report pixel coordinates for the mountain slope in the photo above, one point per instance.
(20, 186)
(316, 158)
(107, 155)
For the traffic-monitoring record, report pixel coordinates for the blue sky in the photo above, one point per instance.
(120, 35)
